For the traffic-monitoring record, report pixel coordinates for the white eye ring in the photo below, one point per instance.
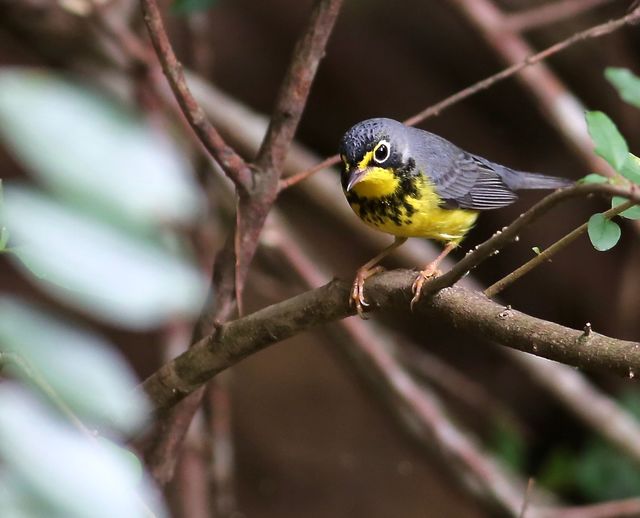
(382, 151)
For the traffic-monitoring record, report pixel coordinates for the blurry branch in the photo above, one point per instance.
(232, 164)
(629, 507)
(549, 252)
(430, 369)
(460, 308)
(589, 404)
(598, 411)
(563, 108)
(547, 14)
(218, 422)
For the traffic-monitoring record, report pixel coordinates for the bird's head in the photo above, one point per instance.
(373, 152)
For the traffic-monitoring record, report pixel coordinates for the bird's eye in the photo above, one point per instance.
(382, 151)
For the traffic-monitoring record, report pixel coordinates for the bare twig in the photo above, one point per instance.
(296, 85)
(547, 14)
(232, 164)
(217, 407)
(510, 233)
(549, 252)
(525, 500)
(526, 59)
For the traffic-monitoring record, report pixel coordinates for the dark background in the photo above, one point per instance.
(311, 437)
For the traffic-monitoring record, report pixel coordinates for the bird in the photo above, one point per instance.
(408, 182)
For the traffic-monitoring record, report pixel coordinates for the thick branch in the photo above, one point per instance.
(232, 164)
(461, 308)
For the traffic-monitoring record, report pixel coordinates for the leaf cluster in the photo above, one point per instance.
(613, 148)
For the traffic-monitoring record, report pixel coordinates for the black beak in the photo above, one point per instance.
(355, 176)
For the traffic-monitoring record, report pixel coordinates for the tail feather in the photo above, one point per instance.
(517, 180)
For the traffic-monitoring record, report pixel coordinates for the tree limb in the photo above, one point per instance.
(232, 164)
(458, 307)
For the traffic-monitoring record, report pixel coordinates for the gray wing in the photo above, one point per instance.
(460, 178)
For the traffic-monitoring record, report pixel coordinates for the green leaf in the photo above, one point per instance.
(630, 213)
(94, 152)
(604, 234)
(609, 143)
(627, 84)
(536, 250)
(98, 268)
(594, 178)
(631, 169)
(72, 474)
(189, 6)
(81, 368)
(509, 445)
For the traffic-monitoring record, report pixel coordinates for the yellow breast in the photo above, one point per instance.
(407, 208)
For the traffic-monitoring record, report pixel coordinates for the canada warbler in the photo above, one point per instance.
(408, 182)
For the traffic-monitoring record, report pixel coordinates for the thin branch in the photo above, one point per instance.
(510, 233)
(593, 32)
(436, 109)
(232, 164)
(303, 175)
(549, 252)
(547, 14)
(296, 85)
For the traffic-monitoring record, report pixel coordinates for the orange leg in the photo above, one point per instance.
(367, 270)
(430, 270)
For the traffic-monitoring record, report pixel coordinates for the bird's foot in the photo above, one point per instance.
(430, 272)
(357, 289)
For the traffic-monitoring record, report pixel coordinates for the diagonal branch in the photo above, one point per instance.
(549, 252)
(232, 164)
(296, 85)
(591, 33)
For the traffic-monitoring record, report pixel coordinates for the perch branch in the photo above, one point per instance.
(458, 307)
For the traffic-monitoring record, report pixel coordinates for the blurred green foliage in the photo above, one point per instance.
(95, 237)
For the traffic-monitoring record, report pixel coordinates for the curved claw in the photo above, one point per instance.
(416, 288)
(357, 290)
